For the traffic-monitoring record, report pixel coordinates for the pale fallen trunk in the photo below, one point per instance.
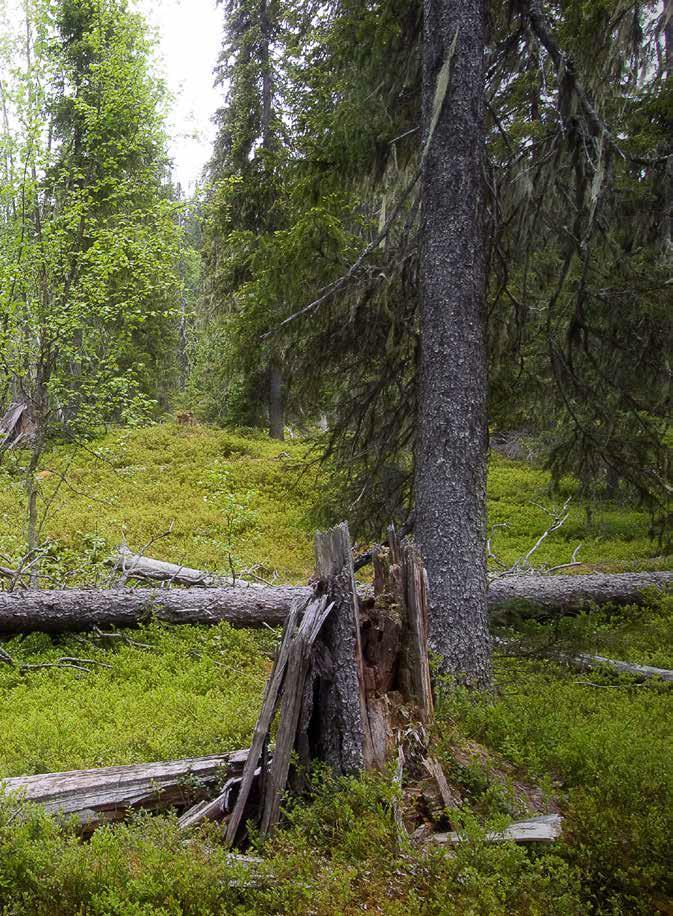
(642, 672)
(84, 609)
(96, 797)
(545, 829)
(135, 566)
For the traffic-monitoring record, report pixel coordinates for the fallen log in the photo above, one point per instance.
(146, 569)
(106, 795)
(84, 609)
(552, 596)
(641, 672)
(545, 829)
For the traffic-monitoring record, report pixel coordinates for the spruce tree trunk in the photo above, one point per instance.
(450, 484)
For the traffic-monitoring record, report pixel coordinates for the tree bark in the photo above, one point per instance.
(450, 482)
(83, 609)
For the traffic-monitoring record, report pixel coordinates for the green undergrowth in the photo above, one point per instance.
(607, 742)
(612, 535)
(189, 494)
(643, 635)
(172, 692)
(594, 744)
(217, 498)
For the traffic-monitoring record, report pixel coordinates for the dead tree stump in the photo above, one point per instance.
(345, 680)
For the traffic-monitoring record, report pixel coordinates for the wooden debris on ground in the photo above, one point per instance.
(545, 829)
(342, 682)
(105, 795)
(132, 565)
(16, 426)
(64, 610)
(641, 672)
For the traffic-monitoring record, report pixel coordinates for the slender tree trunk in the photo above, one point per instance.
(667, 183)
(668, 35)
(276, 405)
(450, 484)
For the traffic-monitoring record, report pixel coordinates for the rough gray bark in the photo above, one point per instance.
(104, 795)
(450, 483)
(82, 609)
(551, 596)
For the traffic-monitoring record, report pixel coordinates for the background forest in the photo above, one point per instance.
(212, 375)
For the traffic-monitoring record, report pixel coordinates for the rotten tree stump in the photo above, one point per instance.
(344, 681)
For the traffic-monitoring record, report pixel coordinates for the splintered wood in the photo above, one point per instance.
(341, 675)
(101, 796)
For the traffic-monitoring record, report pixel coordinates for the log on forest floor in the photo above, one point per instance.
(545, 829)
(132, 565)
(106, 795)
(83, 609)
(641, 672)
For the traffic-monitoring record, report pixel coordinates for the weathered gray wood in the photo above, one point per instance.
(298, 666)
(105, 795)
(83, 609)
(643, 672)
(416, 626)
(555, 595)
(135, 566)
(16, 426)
(545, 829)
(434, 768)
(264, 721)
(344, 740)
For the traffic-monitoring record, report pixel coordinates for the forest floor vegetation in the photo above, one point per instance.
(597, 746)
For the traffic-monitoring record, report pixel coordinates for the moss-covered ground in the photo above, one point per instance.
(599, 744)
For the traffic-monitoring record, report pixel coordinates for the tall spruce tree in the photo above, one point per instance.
(578, 216)
(244, 205)
(451, 441)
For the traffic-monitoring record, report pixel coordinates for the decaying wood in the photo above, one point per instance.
(101, 796)
(434, 768)
(298, 666)
(135, 566)
(16, 426)
(585, 661)
(260, 735)
(642, 672)
(415, 582)
(551, 596)
(83, 609)
(342, 732)
(545, 829)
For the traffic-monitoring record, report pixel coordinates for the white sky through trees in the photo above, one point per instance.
(190, 35)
